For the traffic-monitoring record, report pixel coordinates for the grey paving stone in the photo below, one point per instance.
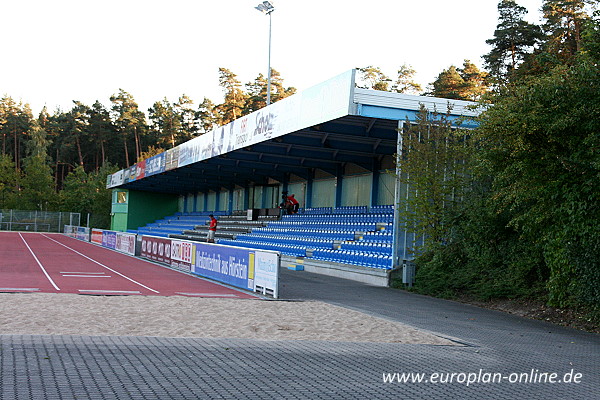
(84, 367)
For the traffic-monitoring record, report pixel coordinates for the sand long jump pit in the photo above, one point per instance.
(194, 317)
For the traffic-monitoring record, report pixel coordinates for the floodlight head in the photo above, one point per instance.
(266, 6)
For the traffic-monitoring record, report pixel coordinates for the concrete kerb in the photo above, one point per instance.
(369, 276)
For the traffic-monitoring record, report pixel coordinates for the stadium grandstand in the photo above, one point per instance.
(333, 146)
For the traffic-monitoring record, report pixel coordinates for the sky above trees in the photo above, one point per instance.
(71, 50)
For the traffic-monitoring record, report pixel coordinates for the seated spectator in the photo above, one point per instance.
(293, 204)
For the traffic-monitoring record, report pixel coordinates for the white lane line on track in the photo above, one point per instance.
(19, 289)
(39, 263)
(88, 276)
(206, 294)
(83, 273)
(102, 265)
(109, 291)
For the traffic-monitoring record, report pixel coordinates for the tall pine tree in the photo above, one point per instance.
(235, 99)
(466, 83)
(257, 91)
(373, 78)
(37, 185)
(130, 122)
(405, 82)
(514, 38)
(8, 182)
(165, 123)
(208, 116)
(563, 24)
(101, 130)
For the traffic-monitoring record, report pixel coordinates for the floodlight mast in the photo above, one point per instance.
(267, 7)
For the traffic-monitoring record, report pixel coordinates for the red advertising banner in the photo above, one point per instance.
(156, 249)
(141, 169)
(96, 236)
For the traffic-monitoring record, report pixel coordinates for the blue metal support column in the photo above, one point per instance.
(339, 181)
(230, 202)
(246, 197)
(286, 182)
(375, 182)
(398, 254)
(263, 198)
(217, 200)
(309, 189)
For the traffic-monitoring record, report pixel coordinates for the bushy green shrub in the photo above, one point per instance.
(483, 258)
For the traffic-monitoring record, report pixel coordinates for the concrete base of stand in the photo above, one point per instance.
(371, 276)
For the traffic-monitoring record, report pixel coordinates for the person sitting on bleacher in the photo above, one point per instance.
(283, 206)
(293, 204)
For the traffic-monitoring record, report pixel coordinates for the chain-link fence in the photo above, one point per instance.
(37, 221)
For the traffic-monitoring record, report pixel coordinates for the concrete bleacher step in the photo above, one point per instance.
(240, 222)
(237, 228)
(201, 237)
(203, 233)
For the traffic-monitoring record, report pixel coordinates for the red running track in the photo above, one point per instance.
(54, 263)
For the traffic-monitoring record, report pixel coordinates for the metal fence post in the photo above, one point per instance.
(396, 261)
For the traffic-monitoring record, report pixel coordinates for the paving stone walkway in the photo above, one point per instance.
(495, 346)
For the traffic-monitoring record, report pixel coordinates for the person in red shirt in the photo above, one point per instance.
(294, 205)
(212, 229)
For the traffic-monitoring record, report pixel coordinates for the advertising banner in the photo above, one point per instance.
(71, 231)
(155, 164)
(224, 264)
(126, 175)
(141, 169)
(189, 152)
(182, 254)
(172, 158)
(249, 269)
(197, 149)
(116, 179)
(96, 236)
(133, 173)
(266, 272)
(324, 102)
(83, 233)
(109, 239)
(125, 242)
(156, 249)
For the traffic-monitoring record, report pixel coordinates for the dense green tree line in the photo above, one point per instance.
(61, 160)
(528, 224)
(91, 136)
